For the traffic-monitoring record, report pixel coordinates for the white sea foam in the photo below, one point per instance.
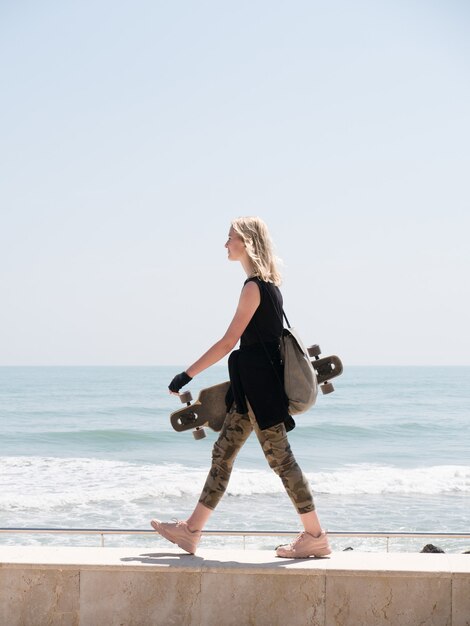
(375, 479)
(51, 483)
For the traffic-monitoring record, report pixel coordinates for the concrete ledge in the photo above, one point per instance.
(131, 586)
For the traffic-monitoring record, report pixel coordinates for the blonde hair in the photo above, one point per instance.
(259, 247)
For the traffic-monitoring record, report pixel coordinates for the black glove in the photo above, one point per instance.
(180, 380)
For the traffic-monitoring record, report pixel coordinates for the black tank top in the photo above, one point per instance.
(266, 324)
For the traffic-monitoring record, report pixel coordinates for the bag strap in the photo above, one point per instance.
(285, 317)
(276, 308)
(283, 312)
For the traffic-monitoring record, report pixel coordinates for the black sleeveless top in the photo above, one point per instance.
(266, 324)
(256, 370)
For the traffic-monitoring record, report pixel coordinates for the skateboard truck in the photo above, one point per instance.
(198, 432)
(325, 368)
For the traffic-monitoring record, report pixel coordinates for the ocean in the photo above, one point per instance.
(388, 451)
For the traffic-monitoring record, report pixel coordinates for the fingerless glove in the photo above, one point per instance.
(180, 380)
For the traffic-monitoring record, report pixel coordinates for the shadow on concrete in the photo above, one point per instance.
(164, 558)
(191, 560)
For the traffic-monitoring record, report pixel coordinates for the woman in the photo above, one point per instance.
(256, 400)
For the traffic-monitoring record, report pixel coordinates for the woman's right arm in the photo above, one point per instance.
(247, 305)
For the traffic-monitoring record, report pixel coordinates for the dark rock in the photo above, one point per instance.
(430, 548)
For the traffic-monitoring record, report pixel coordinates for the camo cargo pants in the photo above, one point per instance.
(235, 431)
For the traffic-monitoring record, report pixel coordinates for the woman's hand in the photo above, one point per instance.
(180, 380)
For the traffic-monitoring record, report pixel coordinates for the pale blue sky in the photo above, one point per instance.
(131, 133)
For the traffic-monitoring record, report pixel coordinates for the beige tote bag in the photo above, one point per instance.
(300, 380)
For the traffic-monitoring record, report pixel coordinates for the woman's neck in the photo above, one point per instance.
(248, 266)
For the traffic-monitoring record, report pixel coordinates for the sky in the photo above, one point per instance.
(131, 133)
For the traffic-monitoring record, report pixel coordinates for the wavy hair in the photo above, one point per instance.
(259, 246)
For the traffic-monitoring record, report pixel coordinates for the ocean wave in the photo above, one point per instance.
(54, 483)
(91, 436)
(347, 431)
(376, 479)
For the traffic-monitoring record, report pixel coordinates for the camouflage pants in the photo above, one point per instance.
(235, 431)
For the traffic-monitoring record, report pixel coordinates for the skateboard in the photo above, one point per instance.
(210, 409)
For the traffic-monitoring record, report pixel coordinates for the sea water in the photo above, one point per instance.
(80, 447)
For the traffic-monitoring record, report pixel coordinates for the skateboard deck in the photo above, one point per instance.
(210, 409)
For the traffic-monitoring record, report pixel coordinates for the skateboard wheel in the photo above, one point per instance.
(314, 351)
(186, 397)
(327, 388)
(199, 433)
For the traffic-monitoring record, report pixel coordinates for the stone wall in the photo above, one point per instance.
(137, 587)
